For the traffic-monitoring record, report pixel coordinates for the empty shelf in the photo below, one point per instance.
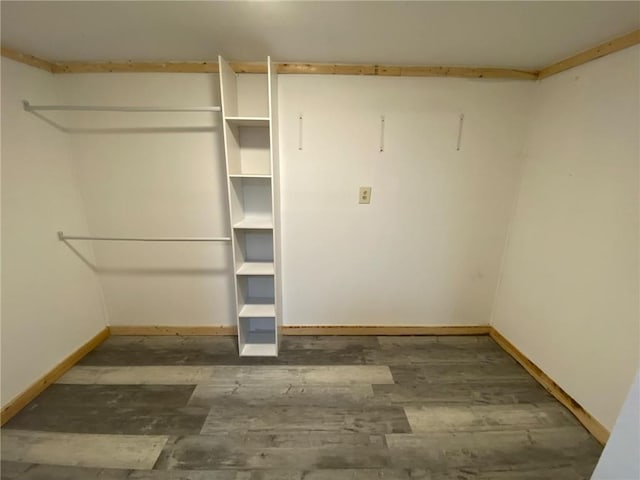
(254, 223)
(250, 175)
(259, 350)
(255, 268)
(258, 310)
(249, 121)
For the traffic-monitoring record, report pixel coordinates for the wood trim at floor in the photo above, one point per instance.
(588, 421)
(21, 401)
(180, 331)
(385, 330)
(305, 330)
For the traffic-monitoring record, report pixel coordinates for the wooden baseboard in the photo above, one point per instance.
(305, 330)
(384, 330)
(591, 424)
(172, 330)
(21, 401)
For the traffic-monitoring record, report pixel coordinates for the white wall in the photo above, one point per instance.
(427, 250)
(568, 298)
(51, 302)
(621, 456)
(156, 174)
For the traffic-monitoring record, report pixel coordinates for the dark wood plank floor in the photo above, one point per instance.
(328, 408)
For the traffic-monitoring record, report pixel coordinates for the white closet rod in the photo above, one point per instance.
(94, 108)
(63, 237)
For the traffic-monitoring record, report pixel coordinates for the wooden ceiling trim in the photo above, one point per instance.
(211, 66)
(612, 46)
(28, 59)
(296, 68)
(137, 67)
(404, 71)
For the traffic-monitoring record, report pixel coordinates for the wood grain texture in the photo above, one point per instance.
(147, 330)
(541, 449)
(612, 46)
(210, 66)
(591, 424)
(28, 59)
(405, 71)
(228, 374)
(19, 402)
(282, 394)
(302, 451)
(76, 449)
(283, 419)
(207, 66)
(455, 410)
(107, 419)
(305, 330)
(479, 418)
(384, 330)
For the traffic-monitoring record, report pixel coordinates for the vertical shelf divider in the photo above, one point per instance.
(249, 112)
(275, 188)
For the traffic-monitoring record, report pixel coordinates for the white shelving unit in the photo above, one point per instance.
(249, 104)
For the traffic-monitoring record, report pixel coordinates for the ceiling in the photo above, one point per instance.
(516, 34)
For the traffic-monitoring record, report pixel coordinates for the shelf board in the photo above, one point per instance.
(254, 223)
(250, 175)
(248, 121)
(257, 310)
(259, 350)
(255, 268)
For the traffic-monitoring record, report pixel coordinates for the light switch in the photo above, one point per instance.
(365, 195)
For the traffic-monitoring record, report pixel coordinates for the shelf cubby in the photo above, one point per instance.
(258, 336)
(251, 200)
(256, 296)
(248, 148)
(254, 252)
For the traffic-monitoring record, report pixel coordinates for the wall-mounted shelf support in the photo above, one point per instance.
(459, 142)
(382, 133)
(300, 132)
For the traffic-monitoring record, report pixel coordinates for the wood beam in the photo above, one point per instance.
(294, 68)
(612, 46)
(589, 422)
(211, 66)
(28, 59)
(404, 71)
(137, 67)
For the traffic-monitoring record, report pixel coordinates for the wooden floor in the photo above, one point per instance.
(329, 408)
